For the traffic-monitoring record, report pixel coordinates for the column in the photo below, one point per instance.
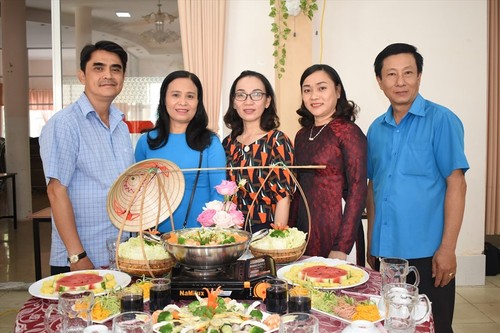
(83, 30)
(16, 91)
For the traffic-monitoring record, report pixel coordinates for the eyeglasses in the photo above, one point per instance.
(254, 96)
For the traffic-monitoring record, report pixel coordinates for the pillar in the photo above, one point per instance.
(16, 100)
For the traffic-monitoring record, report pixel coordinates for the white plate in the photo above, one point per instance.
(374, 299)
(122, 280)
(105, 319)
(328, 261)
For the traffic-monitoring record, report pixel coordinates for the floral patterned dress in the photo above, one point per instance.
(272, 148)
(341, 146)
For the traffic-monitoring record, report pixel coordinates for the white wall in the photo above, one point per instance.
(451, 36)
(248, 44)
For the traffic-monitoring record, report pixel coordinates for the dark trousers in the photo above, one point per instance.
(442, 298)
(59, 269)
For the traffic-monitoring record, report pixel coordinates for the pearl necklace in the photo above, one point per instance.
(311, 138)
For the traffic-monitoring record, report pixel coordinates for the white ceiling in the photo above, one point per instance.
(106, 25)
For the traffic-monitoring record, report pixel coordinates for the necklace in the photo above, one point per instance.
(311, 138)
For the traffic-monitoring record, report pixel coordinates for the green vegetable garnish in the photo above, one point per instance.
(167, 328)
(165, 316)
(257, 314)
(279, 233)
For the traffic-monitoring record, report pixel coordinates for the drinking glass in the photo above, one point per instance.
(73, 312)
(111, 246)
(395, 270)
(299, 322)
(401, 301)
(131, 299)
(133, 322)
(299, 299)
(276, 296)
(160, 294)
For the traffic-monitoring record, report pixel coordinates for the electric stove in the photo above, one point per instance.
(243, 279)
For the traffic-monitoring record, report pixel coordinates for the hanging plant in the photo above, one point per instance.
(280, 10)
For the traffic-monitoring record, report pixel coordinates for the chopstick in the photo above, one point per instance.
(353, 293)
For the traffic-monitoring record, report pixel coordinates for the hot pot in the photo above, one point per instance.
(206, 256)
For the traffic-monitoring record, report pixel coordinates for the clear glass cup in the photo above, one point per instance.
(299, 299)
(160, 294)
(111, 247)
(299, 322)
(131, 299)
(72, 313)
(276, 296)
(395, 270)
(133, 322)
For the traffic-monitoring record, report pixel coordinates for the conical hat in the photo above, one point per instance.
(145, 194)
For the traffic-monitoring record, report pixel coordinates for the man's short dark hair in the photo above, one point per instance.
(397, 48)
(104, 45)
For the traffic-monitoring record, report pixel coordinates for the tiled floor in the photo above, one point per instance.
(477, 308)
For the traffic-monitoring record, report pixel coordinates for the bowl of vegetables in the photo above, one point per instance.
(206, 248)
(284, 246)
(131, 260)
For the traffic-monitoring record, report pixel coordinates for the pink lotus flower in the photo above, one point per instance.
(223, 214)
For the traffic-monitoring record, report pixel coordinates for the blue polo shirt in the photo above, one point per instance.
(408, 164)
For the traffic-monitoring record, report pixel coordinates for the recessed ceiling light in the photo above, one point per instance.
(123, 14)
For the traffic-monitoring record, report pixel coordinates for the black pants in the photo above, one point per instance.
(442, 298)
(59, 269)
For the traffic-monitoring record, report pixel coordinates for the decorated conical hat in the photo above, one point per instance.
(145, 194)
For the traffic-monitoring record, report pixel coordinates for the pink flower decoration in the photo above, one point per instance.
(223, 214)
(206, 217)
(237, 218)
(227, 188)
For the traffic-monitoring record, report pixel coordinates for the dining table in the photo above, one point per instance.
(30, 318)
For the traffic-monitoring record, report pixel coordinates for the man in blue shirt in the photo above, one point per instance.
(416, 189)
(84, 148)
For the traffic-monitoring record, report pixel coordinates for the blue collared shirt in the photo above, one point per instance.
(408, 164)
(86, 156)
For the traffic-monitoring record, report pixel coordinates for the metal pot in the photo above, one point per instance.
(206, 256)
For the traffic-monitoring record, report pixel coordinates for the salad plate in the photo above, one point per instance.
(289, 273)
(122, 280)
(375, 300)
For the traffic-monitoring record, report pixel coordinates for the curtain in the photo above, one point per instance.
(493, 155)
(202, 26)
(40, 99)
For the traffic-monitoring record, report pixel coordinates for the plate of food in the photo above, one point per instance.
(214, 313)
(347, 308)
(324, 273)
(100, 281)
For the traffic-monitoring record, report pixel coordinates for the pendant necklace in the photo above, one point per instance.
(311, 138)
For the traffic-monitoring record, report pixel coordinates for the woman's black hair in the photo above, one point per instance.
(345, 109)
(269, 119)
(198, 136)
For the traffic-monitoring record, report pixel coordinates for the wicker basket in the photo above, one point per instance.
(157, 268)
(281, 256)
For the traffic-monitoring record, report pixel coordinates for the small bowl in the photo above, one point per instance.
(361, 326)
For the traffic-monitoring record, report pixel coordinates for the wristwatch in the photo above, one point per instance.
(74, 258)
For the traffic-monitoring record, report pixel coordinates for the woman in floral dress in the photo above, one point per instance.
(329, 137)
(256, 141)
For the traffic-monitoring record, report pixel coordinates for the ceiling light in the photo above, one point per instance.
(159, 34)
(123, 14)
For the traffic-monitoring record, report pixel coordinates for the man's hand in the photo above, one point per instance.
(82, 264)
(444, 266)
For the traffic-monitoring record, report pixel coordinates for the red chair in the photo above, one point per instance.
(136, 126)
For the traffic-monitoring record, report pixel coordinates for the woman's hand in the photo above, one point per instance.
(279, 226)
(337, 255)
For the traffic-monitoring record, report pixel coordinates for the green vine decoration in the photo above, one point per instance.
(281, 30)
